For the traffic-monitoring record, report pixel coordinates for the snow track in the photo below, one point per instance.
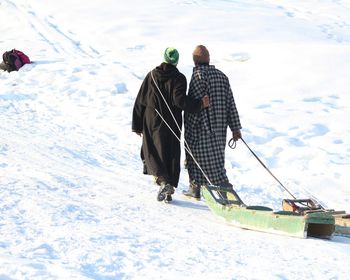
(61, 41)
(73, 201)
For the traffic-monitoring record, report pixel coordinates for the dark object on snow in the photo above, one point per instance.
(194, 191)
(164, 192)
(13, 60)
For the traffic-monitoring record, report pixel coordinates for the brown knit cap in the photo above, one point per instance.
(201, 55)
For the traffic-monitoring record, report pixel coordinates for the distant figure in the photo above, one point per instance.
(13, 60)
(205, 131)
(159, 104)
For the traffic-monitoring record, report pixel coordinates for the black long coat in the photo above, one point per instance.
(160, 149)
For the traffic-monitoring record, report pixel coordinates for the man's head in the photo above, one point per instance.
(171, 56)
(201, 55)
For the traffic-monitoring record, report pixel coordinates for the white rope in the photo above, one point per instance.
(187, 147)
(165, 101)
(178, 126)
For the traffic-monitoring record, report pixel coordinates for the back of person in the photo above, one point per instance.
(157, 117)
(205, 132)
(216, 118)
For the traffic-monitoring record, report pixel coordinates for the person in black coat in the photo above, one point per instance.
(157, 117)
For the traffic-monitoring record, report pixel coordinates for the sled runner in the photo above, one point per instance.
(227, 204)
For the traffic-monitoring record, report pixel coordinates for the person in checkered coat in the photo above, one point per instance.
(206, 130)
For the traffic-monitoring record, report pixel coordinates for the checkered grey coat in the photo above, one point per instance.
(205, 131)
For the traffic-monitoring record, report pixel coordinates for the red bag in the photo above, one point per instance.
(24, 58)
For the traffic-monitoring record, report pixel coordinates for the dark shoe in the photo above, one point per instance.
(168, 198)
(194, 191)
(164, 190)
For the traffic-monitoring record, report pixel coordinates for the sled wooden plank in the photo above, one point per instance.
(261, 218)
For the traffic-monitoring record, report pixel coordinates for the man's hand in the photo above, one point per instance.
(236, 134)
(205, 101)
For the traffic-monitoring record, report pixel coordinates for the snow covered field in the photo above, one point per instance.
(73, 201)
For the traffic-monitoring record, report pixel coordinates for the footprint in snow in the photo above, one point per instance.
(241, 57)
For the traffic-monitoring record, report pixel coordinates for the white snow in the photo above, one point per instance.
(73, 201)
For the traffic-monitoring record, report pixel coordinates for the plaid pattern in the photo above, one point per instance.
(205, 132)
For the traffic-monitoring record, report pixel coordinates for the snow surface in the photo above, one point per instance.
(73, 201)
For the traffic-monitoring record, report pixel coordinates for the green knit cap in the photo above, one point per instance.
(171, 56)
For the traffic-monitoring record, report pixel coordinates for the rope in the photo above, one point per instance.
(233, 145)
(187, 147)
(166, 103)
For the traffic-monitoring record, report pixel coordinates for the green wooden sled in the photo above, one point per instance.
(227, 204)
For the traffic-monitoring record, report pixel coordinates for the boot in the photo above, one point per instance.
(164, 191)
(168, 198)
(194, 191)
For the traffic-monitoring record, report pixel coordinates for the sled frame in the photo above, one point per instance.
(227, 204)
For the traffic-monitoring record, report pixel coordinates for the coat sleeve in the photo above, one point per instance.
(232, 113)
(183, 102)
(139, 107)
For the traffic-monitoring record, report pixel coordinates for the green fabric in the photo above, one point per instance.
(171, 56)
